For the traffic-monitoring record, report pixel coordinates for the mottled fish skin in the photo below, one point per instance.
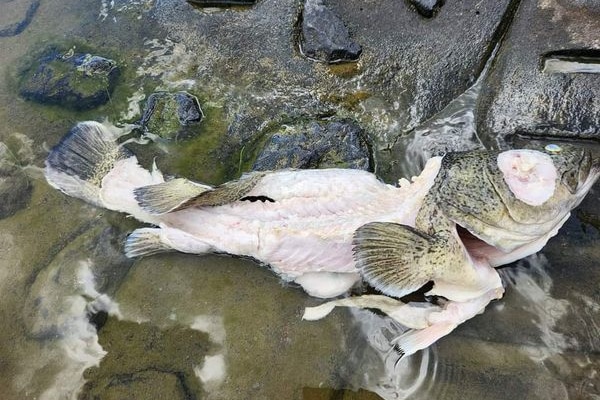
(471, 191)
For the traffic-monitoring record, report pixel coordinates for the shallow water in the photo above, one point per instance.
(82, 321)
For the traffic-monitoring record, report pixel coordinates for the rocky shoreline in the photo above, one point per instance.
(219, 88)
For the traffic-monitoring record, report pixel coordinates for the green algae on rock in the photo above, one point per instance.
(172, 115)
(332, 144)
(74, 80)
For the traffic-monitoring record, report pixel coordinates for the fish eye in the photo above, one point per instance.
(553, 148)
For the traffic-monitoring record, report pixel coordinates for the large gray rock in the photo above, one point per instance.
(338, 144)
(410, 68)
(324, 35)
(79, 81)
(526, 94)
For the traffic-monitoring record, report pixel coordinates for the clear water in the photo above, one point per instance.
(216, 327)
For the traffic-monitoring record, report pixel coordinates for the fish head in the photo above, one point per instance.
(577, 167)
(509, 204)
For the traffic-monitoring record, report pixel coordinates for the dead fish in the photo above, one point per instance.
(465, 214)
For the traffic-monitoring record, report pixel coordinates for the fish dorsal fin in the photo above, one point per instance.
(168, 196)
(391, 257)
(226, 193)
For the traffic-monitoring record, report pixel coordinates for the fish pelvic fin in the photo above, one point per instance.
(417, 339)
(394, 258)
(168, 196)
(79, 162)
(145, 242)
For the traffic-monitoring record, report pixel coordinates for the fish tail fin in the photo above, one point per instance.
(89, 163)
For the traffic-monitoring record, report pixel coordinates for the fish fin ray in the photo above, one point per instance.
(167, 196)
(145, 242)
(390, 257)
(77, 164)
(225, 193)
(417, 339)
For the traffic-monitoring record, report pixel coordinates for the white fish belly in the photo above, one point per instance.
(310, 225)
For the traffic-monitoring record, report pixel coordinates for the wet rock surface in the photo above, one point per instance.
(145, 361)
(521, 96)
(339, 144)
(324, 35)
(79, 81)
(222, 3)
(427, 8)
(16, 16)
(172, 115)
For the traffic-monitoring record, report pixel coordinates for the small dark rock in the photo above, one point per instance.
(324, 35)
(78, 81)
(427, 8)
(172, 115)
(222, 3)
(15, 189)
(337, 144)
(14, 28)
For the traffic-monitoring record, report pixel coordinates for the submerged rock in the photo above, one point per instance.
(324, 35)
(427, 8)
(73, 80)
(545, 87)
(16, 17)
(172, 115)
(145, 361)
(15, 188)
(338, 144)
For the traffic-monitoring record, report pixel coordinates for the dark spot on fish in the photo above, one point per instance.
(257, 198)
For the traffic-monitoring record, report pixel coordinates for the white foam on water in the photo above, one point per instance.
(78, 339)
(392, 378)
(211, 324)
(535, 286)
(213, 370)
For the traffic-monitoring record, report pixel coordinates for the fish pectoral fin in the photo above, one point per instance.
(168, 196)
(395, 259)
(145, 242)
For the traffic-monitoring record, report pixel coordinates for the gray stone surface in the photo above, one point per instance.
(427, 8)
(518, 96)
(324, 35)
(338, 144)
